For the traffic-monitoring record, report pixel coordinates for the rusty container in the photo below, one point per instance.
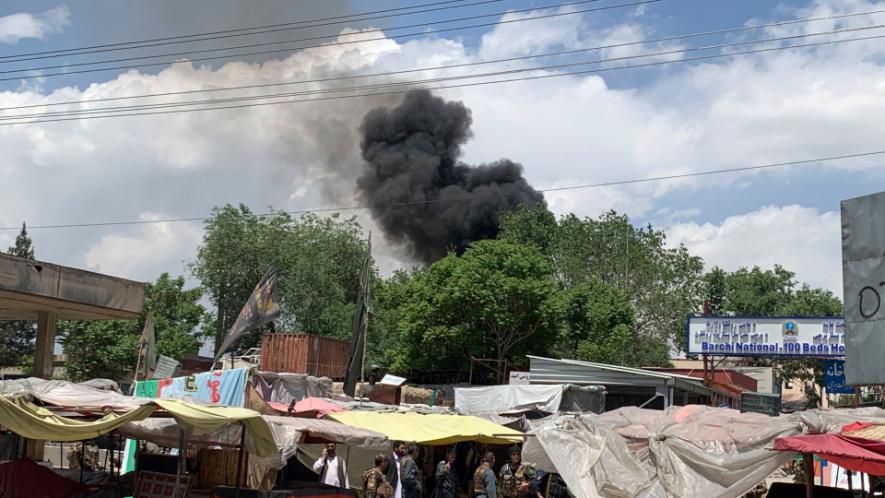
(305, 353)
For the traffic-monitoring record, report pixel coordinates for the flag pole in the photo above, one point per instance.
(137, 364)
(365, 332)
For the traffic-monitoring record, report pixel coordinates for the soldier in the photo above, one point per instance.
(484, 485)
(374, 480)
(516, 476)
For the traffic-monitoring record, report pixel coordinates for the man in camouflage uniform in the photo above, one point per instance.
(375, 482)
(484, 485)
(516, 476)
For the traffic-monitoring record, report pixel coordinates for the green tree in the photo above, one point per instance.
(715, 288)
(759, 292)
(318, 260)
(498, 300)
(23, 247)
(599, 325)
(664, 283)
(388, 297)
(109, 349)
(17, 336)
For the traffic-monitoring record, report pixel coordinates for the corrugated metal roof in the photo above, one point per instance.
(553, 371)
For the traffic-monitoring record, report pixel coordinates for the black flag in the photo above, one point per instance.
(263, 306)
(360, 324)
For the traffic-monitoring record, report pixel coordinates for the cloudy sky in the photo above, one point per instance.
(619, 124)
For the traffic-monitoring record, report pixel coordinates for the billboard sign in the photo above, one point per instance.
(766, 336)
(863, 280)
(834, 377)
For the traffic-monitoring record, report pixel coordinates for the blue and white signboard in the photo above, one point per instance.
(766, 336)
(834, 377)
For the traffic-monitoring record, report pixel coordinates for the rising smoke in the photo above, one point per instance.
(418, 191)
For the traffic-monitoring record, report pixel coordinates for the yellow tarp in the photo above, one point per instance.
(205, 419)
(33, 422)
(431, 429)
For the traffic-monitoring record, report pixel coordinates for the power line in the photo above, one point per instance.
(293, 49)
(461, 198)
(102, 110)
(120, 111)
(450, 66)
(170, 40)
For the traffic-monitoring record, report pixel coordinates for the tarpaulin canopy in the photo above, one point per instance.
(83, 397)
(508, 399)
(34, 422)
(308, 407)
(206, 419)
(288, 434)
(430, 429)
(862, 455)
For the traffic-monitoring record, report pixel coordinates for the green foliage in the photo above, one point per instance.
(318, 260)
(758, 292)
(600, 326)
(498, 300)
(17, 336)
(663, 284)
(109, 349)
(388, 297)
(23, 247)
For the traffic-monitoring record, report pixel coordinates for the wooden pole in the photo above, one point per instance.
(808, 464)
(240, 457)
(182, 456)
(363, 366)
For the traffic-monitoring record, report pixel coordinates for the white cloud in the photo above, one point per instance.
(145, 253)
(565, 131)
(14, 27)
(799, 238)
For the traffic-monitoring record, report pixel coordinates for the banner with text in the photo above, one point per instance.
(766, 336)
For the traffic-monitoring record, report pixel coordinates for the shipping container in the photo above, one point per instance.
(305, 353)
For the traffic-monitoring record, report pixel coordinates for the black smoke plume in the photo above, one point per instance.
(419, 192)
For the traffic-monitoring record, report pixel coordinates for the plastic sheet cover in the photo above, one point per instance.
(83, 397)
(284, 387)
(508, 399)
(692, 451)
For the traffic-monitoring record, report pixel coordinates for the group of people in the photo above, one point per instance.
(396, 475)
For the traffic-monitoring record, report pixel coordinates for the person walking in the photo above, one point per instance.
(375, 481)
(331, 468)
(484, 484)
(395, 468)
(516, 476)
(409, 474)
(447, 476)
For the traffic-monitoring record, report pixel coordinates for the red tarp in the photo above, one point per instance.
(26, 478)
(863, 455)
(308, 408)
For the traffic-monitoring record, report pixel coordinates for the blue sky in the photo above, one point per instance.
(622, 124)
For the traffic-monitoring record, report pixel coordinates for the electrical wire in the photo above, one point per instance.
(120, 111)
(36, 70)
(798, 162)
(170, 40)
(452, 66)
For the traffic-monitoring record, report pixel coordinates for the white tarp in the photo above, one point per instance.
(76, 397)
(511, 398)
(692, 451)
